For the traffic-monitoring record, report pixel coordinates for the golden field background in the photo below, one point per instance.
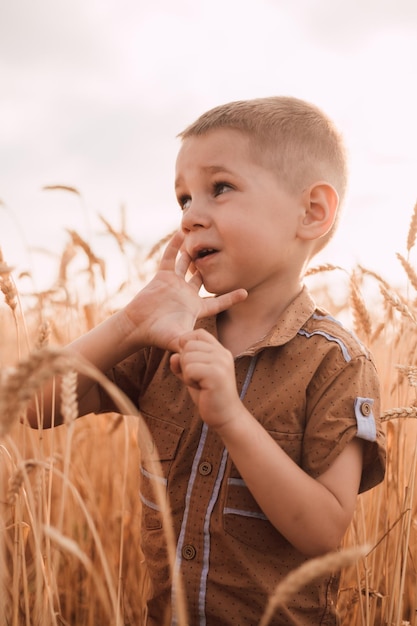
(69, 506)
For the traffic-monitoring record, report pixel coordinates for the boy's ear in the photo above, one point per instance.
(320, 205)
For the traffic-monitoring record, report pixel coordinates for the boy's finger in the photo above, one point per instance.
(175, 364)
(221, 303)
(171, 252)
(182, 264)
(196, 280)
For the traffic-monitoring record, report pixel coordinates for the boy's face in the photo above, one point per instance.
(240, 223)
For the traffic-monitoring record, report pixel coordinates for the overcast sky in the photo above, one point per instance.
(94, 92)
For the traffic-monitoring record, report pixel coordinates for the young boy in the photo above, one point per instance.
(263, 409)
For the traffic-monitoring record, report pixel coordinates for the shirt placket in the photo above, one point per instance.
(193, 548)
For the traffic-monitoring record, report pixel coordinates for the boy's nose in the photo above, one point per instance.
(194, 217)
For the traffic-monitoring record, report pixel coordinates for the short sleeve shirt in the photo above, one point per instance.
(313, 387)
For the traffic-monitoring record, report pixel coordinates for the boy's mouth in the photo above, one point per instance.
(205, 252)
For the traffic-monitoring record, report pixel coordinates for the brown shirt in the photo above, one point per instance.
(313, 387)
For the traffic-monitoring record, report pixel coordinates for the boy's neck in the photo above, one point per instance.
(249, 321)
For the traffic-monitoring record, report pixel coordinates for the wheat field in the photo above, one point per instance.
(69, 507)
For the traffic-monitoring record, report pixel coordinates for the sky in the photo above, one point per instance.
(94, 92)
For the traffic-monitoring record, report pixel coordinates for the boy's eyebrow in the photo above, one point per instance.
(209, 169)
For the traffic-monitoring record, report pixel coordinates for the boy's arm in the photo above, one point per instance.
(159, 314)
(312, 514)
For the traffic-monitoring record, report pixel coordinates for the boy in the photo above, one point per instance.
(263, 409)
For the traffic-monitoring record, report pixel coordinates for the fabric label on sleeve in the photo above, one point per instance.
(365, 418)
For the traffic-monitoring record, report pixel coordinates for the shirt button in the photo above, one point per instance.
(365, 409)
(205, 468)
(188, 552)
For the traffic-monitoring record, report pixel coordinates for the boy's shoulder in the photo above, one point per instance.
(322, 323)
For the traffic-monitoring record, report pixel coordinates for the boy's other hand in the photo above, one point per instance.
(208, 370)
(170, 304)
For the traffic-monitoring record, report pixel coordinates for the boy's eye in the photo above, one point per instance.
(184, 202)
(220, 188)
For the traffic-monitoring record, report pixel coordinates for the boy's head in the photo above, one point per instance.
(290, 136)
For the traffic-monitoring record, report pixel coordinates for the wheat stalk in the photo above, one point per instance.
(310, 570)
(54, 534)
(157, 247)
(121, 236)
(361, 316)
(410, 371)
(7, 285)
(399, 412)
(377, 332)
(326, 267)
(397, 303)
(412, 231)
(92, 258)
(378, 277)
(409, 270)
(66, 257)
(61, 188)
(16, 480)
(19, 384)
(44, 334)
(69, 403)
(70, 546)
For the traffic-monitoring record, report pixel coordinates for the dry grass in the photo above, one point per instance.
(69, 507)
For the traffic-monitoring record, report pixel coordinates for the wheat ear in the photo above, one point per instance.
(361, 317)
(311, 570)
(44, 335)
(326, 267)
(375, 275)
(159, 244)
(410, 371)
(17, 478)
(69, 402)
(7, 285)
(399, 413)
(397, 303)
(18, 385)
(412, 231)
(409, 270)
(92, 258)
(61, 188)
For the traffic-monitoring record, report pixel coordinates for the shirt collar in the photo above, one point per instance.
(284, 329)
(292, 319)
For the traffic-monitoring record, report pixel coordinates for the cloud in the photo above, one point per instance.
(49, 33)
(348, 25)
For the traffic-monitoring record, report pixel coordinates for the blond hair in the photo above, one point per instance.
(292, 136)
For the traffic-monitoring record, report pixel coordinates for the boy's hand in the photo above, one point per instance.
(207, 368)
(169, 305)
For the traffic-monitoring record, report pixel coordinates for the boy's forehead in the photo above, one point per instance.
(212, 147)
(223, 135)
